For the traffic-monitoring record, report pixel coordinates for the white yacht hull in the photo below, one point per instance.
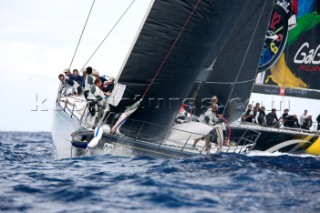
(62, 127)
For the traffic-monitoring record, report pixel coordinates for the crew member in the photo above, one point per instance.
(88, 81)
(211, 118)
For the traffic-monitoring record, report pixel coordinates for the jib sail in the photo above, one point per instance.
(232, 74)
(177, 40)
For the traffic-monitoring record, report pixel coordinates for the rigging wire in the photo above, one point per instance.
(245, 55)
(238, 74)
(117, 22)
(171, 48)
(231, 83)
(136, 105)
(76, 50)
(216, 62)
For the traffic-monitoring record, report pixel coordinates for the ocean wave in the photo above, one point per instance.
(31, 180)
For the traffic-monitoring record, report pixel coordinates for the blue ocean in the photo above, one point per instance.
(32, 180)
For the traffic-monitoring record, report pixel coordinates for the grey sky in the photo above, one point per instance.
(37, 40)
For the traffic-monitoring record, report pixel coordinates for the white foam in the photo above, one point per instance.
(274, 154)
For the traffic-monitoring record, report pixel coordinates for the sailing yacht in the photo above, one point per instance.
(292, 82)
(178, 42)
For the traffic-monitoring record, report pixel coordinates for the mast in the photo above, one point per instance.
(176, 56)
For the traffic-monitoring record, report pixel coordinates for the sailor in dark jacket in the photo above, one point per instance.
(307, 123)
(248, 117)
(272, 118)
(292, 121)
(285, 115)
(69, 75)
(78, 78)
(261, 116)
(66, 84)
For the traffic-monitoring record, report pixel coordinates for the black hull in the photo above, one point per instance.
(273, 139)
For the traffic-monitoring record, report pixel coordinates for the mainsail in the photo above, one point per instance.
(211, 28)
(232, 74)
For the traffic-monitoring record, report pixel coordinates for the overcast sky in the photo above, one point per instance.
(37, 42)
(38, 39)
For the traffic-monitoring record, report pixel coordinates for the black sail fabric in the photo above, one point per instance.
(232, 74)
(212, 24)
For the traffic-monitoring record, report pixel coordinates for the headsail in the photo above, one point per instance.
(231, 75)
(207, 31)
